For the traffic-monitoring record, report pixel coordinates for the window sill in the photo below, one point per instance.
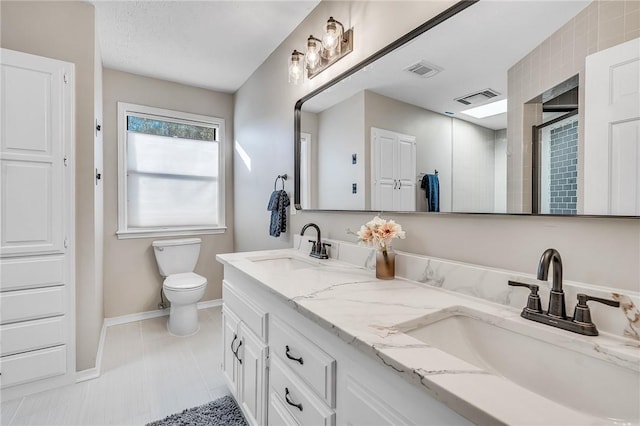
(169, 232)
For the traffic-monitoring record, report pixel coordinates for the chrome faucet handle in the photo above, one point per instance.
(582, 314)
(533, 302)
(323, 251)
(313, 246)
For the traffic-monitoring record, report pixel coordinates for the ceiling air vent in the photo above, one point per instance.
(423, 69)
(477, 97)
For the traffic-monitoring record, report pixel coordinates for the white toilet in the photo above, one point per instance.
(182, 287)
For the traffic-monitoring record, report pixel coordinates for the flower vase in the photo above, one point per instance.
(385, 264)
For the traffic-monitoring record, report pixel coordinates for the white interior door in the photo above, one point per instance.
(612, 131)
(383, 159)
(406, 174)
(393, 171)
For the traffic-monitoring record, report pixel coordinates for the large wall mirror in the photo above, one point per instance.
(494, 107)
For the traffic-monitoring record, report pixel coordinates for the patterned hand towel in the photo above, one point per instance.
(278, 203)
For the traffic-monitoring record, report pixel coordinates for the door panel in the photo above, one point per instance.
(230, 343)
(32, 154)
(252, 354)
(612, 139)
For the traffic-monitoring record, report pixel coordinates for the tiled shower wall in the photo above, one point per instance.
(600, 25)
(564, 173)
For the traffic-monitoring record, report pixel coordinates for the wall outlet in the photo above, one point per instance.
(354, 188)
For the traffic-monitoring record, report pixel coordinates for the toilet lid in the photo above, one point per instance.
(185, 281)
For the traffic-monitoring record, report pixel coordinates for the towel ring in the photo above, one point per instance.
(283, 178)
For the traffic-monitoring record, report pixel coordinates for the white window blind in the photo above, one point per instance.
(171, 173)
(171, 181)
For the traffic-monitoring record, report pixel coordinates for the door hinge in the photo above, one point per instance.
(65, 78)
(66, 242)
(65, 160)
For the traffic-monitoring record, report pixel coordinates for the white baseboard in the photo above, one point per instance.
(93, 373)
(209, 303)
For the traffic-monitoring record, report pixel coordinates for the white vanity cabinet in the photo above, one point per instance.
(245, 352)
(310, 376)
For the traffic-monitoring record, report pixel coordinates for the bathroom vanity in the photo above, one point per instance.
(311, 341)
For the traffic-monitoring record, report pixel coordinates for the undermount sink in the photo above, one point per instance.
(284, 263)
(584, 383)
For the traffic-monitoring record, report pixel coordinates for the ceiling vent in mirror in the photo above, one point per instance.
(423, 69)
(477, 97)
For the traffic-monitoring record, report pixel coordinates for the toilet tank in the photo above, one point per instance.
(176, 256)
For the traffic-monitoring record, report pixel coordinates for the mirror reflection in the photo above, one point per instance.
(460, 120)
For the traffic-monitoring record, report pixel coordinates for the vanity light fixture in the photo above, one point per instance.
(335, 44)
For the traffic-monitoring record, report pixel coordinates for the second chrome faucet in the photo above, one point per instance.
(556, 315)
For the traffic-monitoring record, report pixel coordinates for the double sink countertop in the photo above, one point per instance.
(383, 319)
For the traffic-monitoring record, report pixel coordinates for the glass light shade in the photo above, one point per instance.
(296, 68)
(313, 53)
(331, 37)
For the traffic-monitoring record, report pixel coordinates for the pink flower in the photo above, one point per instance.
(379, 233)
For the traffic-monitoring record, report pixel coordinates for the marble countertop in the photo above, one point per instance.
(375, 315)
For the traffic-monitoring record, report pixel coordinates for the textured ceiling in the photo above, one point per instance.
(211, 44)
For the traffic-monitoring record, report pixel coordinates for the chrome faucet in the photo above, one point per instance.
(556, 315)
(318, 249)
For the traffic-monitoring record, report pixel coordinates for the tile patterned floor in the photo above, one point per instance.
(147, 374)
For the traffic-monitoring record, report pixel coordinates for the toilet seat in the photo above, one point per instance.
(184, 282)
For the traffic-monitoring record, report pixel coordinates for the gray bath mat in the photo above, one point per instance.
(223, 411)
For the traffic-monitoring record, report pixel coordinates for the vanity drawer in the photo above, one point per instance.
(34, 365)
(285, 386)
(24, 305)
(254, 317)
(31, 335)
(279, 414)
(312, 364)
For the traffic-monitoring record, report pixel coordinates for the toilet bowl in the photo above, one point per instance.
(182, 287)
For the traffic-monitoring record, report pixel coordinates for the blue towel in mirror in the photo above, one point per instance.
(431, 184)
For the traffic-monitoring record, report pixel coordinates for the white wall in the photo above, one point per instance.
(341, 134)
(473, 164)
(500, 175)
(264, 105)
(601, 251)
(132, 282)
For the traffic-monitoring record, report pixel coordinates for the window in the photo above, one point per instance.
(170, 173)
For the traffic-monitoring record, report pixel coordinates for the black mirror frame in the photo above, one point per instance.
(438, 19)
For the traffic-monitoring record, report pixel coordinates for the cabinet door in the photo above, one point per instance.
(230, 340)
(35, 123)
(252, 354)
